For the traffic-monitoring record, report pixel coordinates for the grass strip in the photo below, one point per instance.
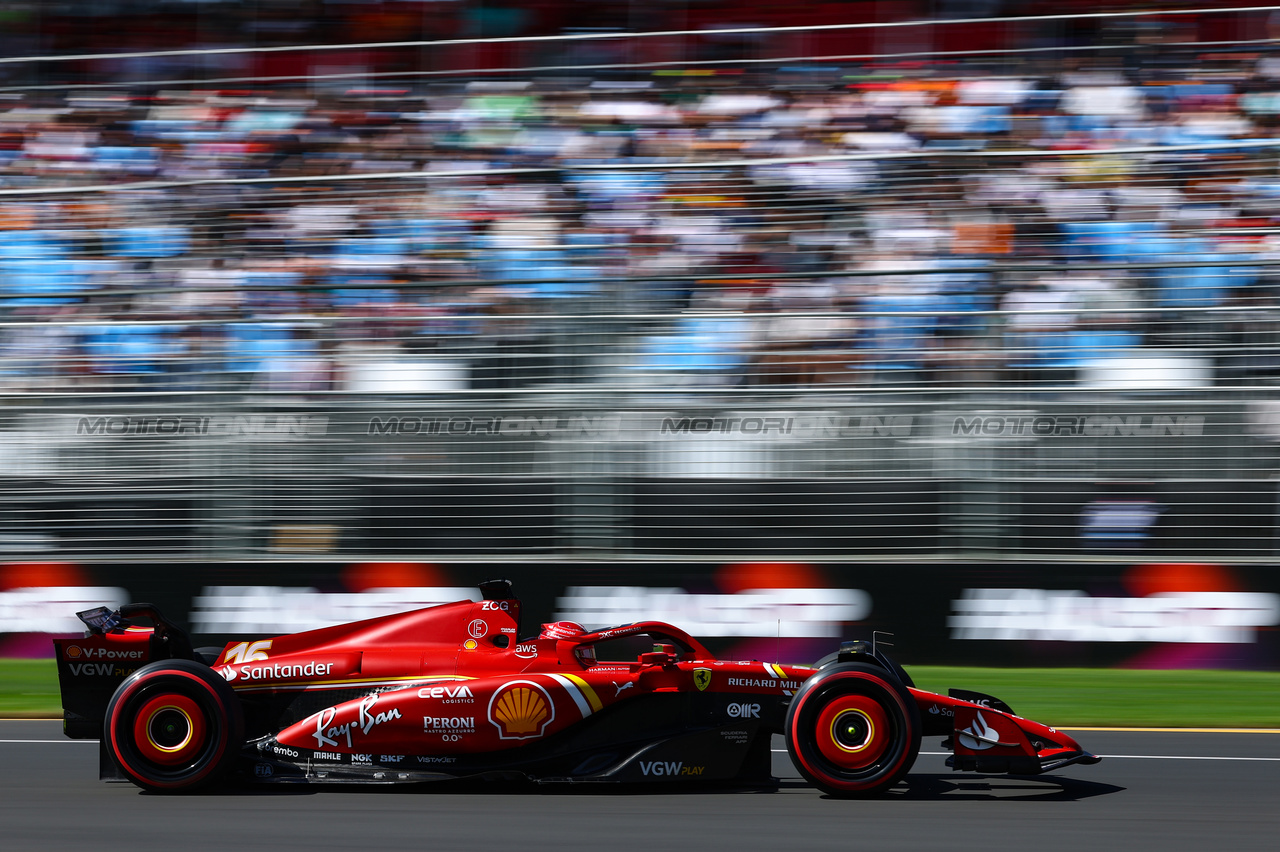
(1121, 697)
(29, 689)
(1060, 697)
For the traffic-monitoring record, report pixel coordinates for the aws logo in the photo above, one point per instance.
(521, 710)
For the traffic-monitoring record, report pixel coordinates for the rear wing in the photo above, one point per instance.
(112, 648)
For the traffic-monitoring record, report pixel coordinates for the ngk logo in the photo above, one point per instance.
(744, 711)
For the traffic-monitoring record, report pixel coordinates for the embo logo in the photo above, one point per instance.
(1088, 426)
(1072, 616)
(521, 710)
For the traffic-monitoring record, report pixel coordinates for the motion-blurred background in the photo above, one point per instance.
(782, 322)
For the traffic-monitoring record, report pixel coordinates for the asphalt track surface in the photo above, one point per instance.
(1153, 790)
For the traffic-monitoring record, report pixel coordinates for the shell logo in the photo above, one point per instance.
(73, 651)
(521, 710)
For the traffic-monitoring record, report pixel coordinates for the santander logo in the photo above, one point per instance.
(980, 736)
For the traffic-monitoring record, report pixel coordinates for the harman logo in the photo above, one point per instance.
(521, 710)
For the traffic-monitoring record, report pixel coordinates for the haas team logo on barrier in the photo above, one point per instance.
(521, 710)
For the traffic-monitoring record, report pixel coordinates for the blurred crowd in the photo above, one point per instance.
(894, 220)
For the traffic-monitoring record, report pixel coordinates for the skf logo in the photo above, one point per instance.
(744, 711)
(702, 679)
(521, 710)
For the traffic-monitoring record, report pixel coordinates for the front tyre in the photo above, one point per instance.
(853, 730)
(174, 726)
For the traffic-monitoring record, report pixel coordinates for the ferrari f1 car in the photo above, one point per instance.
(451, 691)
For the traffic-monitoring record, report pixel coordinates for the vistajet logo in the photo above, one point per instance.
(239, 426)
(1088, 426)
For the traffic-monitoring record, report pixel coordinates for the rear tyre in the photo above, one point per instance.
(174, 726)
(853, 730)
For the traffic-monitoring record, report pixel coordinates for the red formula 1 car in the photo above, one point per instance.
(450, 691)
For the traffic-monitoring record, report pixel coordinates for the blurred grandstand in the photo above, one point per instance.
(822, 285)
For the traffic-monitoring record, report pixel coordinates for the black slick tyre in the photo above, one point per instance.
(853, 730)
(174, 726)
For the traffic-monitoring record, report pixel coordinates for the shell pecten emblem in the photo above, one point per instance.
(521, 710)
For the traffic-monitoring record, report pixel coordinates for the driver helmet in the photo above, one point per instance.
(561, 630)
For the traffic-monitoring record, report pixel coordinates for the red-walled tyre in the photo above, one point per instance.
(174, 726)
(853, 730)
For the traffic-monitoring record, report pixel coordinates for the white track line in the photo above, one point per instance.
(48, 741)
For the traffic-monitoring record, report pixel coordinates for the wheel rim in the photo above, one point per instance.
(853, 732)
(170, 730)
